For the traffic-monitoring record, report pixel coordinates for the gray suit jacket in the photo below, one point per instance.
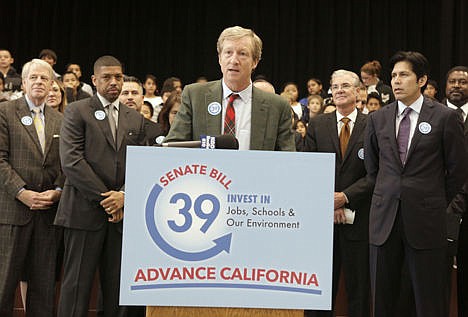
(92, 162)
(22, 163)
(271, 118)
(425, 185)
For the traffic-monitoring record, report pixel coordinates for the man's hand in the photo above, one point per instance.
(339, 216)
(116, 216)
(339, 200)
(39, 201)
(113, 202)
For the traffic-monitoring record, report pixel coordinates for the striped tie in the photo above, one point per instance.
(230, 118)
(39, 127)
(403, 134)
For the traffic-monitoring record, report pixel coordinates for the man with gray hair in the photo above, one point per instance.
(30, 187)
(342, 132)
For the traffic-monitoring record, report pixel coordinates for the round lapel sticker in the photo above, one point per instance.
(214, 108)
(100, 115)
(425, 128)
(26, 120)
(160, 139)
(360, 153)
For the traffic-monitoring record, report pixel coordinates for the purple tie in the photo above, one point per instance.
(403, 134)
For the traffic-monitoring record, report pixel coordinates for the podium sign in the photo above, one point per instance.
(223, 228)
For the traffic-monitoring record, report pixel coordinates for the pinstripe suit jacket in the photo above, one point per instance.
(22, 163)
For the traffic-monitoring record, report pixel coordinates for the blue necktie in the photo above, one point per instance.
(403, 134)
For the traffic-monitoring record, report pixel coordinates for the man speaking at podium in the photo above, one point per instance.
(259, 120)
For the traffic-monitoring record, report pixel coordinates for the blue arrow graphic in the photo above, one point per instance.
(221, 244)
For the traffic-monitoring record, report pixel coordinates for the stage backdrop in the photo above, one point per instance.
(302, 38)
(221, 228)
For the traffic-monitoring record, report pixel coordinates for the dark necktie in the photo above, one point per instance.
(345, 133)
(230, 118)
(403, 134)
(460, 112)
(112, 122)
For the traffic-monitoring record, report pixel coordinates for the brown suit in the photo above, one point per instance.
(27, 235)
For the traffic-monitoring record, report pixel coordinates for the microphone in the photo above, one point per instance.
(226, 141)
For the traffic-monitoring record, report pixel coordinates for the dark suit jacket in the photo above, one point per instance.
(271, 118)
(423, 187)
(350, 173)
(22, 163)
(92, 162)
(458, 205)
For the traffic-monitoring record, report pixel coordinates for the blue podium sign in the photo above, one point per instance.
(228, 228)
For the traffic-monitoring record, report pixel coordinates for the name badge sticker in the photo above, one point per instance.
(424, 128)
(100, 115)
(214, 108)
(360, 153)
(26, 120)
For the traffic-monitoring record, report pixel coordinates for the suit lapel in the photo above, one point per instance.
(391, 112)
(104, 123)
(355, 135)
(259, 116)
(50, 126)
(26, 119)
(122, 125)
(424, 116)
(213, 122)
(333, 132)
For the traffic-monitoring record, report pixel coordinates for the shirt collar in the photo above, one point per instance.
(31, 105)
(105, 102)
(416, 106)
(352, 116)
(245, 94)
(464, 107)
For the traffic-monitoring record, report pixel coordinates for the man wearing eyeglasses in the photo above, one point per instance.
(342, 132)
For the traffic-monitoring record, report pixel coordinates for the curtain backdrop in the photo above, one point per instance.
(302, 38)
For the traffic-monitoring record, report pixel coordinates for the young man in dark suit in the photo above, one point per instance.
(30, 187)
(414, 155)
(342, 132)
(95, 135)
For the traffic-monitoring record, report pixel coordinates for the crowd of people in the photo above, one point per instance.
(400, 171)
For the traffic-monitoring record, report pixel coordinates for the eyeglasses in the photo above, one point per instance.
(344, 86)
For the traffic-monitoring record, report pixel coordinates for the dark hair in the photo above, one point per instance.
(104, 61)
(168, 84)
(290, 83)
(318, 81)
(372, 68)
(433, 83)
(68, 72)
(150, 106)
(418, 62)
(375, 95)
(152, 77)
(47, 52)
(456, 69)
(163, 117)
